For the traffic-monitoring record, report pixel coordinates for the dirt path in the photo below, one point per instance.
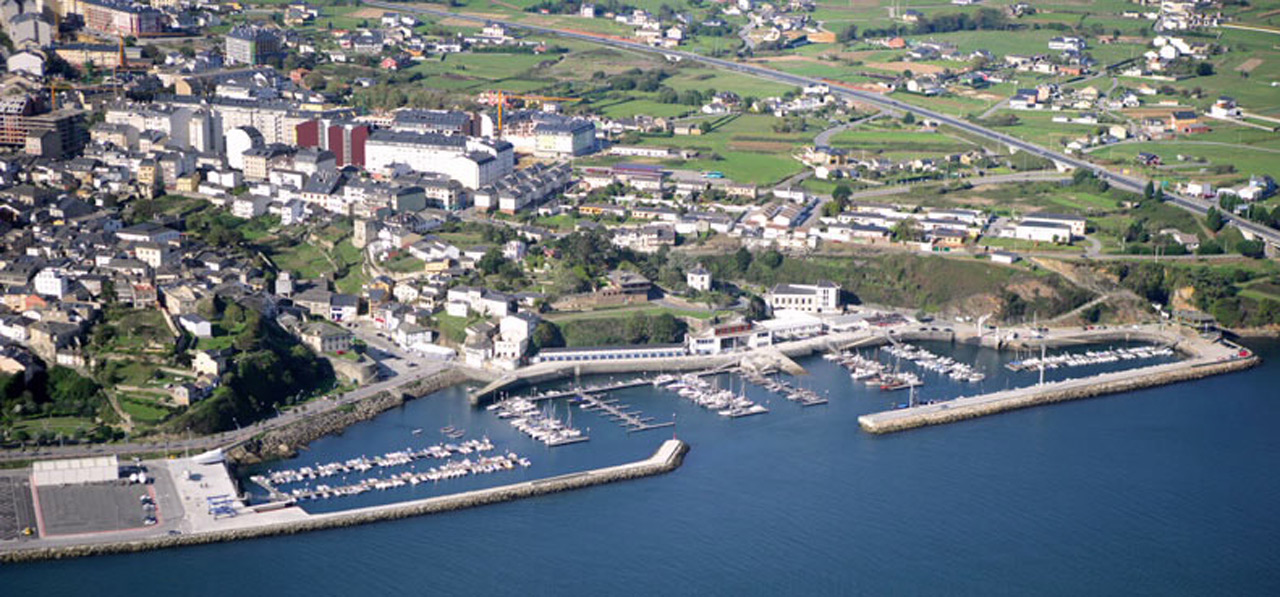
(124, 416)
(1248, 65)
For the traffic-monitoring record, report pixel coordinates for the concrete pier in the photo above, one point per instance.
(204, 529)
(1210, 359)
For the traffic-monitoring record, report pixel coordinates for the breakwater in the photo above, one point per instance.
(668, 457)
(1108, 383)
(284, 442)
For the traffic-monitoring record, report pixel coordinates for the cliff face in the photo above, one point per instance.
(285, 442)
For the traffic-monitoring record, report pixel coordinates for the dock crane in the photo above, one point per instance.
(503, 96)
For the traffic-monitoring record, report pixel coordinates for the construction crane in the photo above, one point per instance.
(54, 86)
(504, 96)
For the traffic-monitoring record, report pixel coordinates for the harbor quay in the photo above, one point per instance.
(1203, 357)
(1206, 358)
(197, 504)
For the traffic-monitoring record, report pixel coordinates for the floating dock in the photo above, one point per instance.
(801, 396)
(614, 409)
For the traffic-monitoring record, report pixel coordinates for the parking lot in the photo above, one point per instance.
(75, 509)
(16, 510)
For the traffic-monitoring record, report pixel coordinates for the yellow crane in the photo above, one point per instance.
(504, 96)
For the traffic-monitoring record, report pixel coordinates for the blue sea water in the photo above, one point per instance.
(1164, 491)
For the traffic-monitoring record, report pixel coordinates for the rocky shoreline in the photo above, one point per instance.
(286, 441)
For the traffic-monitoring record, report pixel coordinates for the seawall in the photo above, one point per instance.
(998, 402)
(668, 457)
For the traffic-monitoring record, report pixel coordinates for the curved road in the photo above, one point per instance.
(1130, 183)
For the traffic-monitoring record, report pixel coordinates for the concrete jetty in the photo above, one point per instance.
(201, 528)
(1209, 358)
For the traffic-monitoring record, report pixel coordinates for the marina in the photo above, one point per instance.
(449, 470)
(632, 421)
(784, 456)
(612, 386)
(525, 415)
(1090, 357)
(1208, 356)
(364, 464)
(874, 374)
(801, 396)
(709, 397)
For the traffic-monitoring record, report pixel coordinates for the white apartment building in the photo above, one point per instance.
(473, 162)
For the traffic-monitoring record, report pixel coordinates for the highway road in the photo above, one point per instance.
(1127, 182)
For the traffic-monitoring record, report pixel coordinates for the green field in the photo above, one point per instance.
(746, 145)
(900, 143)
(1014, 244)
(143, 411)
(64, 425)
(1245, 159)
(135, 330)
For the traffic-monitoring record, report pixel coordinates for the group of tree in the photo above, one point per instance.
(637, 328)
(1216, 290)
(58, 392)
(984, 19)
(839, 201)
(271, 368)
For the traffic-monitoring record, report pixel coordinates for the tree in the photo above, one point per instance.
(491, 262)
(756, 309)
(665, 329)
(314, 80)
(908, 118)
(1209, 247)
(1149, 192)
(1204, 69)
(907, 230)
(1213, 219)
(849, 34)
(232, 314)
(841, 193)
(547, 335)
(1251, 248)
(637, 329)
(690, 97)
(771, 259)
(742, 259)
